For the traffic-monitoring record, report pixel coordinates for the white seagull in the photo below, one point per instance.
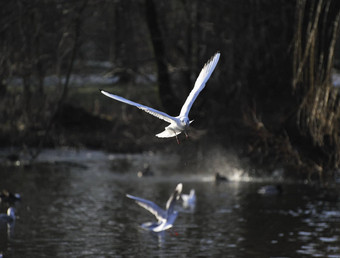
(189, 200)
(167, 217)
(181, 122)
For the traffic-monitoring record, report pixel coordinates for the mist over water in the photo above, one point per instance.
(74, 204)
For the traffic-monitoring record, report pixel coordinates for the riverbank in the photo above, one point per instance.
(252, 149)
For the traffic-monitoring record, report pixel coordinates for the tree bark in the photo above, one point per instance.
(166, 94)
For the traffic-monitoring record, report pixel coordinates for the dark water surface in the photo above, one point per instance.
(75, 206)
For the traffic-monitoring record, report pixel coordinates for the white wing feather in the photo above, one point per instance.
(173, 198)
(159, 213)
(152, 111)
(199, 84)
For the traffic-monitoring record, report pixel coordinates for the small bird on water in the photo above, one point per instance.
(145, 172)
(181, 122)
(219, 178)
(8, 197)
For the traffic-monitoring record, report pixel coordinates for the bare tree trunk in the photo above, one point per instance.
(77, 25)
(167, 96)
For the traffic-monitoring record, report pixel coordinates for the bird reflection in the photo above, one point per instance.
(7, 223)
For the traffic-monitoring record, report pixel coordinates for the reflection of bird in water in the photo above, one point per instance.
(8, 197)
(219, 178)
(181, 122)
(167, 217)
(270, 190)
(9, 217)
(7, 222)
(189, 200)
(146, 171)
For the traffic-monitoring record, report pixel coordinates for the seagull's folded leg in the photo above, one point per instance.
(186, 134)
(178, 142)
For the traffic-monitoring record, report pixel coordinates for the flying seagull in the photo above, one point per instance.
(166, 218)
(181, 122)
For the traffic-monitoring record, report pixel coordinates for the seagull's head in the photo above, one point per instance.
(184, 121)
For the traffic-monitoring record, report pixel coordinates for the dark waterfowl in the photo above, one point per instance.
(13, 157)
(146, 171)
(219, 178)
(8, 197)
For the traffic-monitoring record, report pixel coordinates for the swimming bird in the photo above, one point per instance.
(219, 178)
(181, 122)
(189, 200)
(9, 217)
(6, 196)
(166, 218)
(270, 190)
(145, 172)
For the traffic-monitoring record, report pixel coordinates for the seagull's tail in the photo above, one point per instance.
(168, 134)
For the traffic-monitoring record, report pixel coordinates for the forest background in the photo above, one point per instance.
(270, 100)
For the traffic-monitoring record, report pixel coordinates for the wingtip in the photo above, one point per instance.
(104, 92)
(214, 59)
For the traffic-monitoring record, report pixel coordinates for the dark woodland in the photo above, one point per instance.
(270, 100)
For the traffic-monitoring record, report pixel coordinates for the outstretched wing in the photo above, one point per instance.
(173, 198)
(199, 84)
(154, 112)
(159, 213)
